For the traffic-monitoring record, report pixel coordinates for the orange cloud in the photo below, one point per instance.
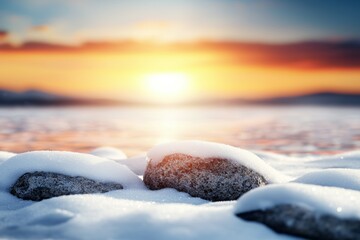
(3, 35)
(215, 69)
(40, 28)
(303, 55)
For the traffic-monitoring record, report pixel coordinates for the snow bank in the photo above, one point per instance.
(135, 164)
(327, 200)
(344, 160)
(138, 213)
(299, 166)
(109, 153)
(5, 156)
(215, 150)
(342, 178)
(68, 163)
(162, 215)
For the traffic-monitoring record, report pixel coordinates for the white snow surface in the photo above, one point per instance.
(205, 150)
(138, 213)
(68, 163)
(343, 178)
(136, 164)
(5, 156)
(130, 214)
(109, 153)
(327, 200)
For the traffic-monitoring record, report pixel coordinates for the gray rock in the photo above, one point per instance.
(302, 222)
(213, 179)
(37, 186)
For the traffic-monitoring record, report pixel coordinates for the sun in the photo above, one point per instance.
(167, 87)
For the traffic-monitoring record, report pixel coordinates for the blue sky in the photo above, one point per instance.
(179, 20)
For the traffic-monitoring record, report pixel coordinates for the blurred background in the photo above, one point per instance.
(274, 75)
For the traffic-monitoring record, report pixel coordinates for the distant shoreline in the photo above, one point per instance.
(35, 98)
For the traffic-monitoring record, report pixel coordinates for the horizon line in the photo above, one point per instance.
(69, 100)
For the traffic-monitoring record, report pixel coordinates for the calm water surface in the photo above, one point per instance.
(287, 130)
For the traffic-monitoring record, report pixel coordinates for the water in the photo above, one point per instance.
(296, 131)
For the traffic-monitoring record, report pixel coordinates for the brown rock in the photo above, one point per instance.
(214, 179)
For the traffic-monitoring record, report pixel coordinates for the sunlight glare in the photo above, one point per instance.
(167, 87)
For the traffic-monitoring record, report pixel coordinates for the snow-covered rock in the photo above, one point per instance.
(215, 172)
(66, 163)
(304, 210)
(109, 153)
(342, 178)
(37, 186)
(302, 222)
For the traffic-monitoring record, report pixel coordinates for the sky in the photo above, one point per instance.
(144, 49)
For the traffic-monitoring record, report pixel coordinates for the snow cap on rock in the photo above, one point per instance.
(208, 150)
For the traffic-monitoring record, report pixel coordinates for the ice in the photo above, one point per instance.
(343, 178)
(68, 163)
(204, 149)
(5, 156)
(328, 200)
(109, 153)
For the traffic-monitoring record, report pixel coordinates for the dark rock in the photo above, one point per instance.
(302, 222)
(37, 186)
(214, 179)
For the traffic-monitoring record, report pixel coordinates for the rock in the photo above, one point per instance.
(214, 179)
(37, 186)
(302, 222)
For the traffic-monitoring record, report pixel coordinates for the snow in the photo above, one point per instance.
(5, 156)
(136, 164)
(343, 178)
(327, 200)
(344, 160)
(204, 150)
(138, 213)
(68, 163)
(298, 166)
(130, 214)
(109, 153)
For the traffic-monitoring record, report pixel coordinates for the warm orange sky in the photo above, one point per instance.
(179, 50)
(211, 69)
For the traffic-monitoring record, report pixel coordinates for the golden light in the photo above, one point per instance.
(167, 87)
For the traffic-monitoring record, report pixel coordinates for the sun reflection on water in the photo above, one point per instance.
(136, 130)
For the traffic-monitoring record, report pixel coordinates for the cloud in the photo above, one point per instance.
(153, 25)
(40, 28)
(3, 35)
(302, 55)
